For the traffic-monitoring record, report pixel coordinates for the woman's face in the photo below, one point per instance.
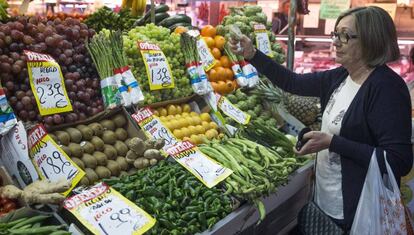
(347, 53)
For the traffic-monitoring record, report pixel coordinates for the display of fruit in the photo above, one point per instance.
(3, 10)
(244, 18)
(64, 41)
(170, 45)
(63, 15)
(252, 105)
(144, 153)
(186, 124)
(99, 148)
(137, 7)
(105, 18)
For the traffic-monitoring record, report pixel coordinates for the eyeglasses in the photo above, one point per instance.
(342, 36)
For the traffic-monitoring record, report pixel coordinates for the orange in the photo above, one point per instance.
(213, 75)
(218, 64)
(180, 29)
(221, 87)
(216, 52)
(209, 41)
(229, 73)
(225, 61)
(215, 86)
(229, 87)
(235, 84)
(208, 31)
(220, 41)
(221, 74)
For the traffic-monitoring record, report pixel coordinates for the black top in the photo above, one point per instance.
(379, 117)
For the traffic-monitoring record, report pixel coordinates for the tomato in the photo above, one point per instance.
(9, 207)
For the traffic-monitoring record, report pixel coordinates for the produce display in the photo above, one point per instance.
(253, 105)
(257, 170)
(187, 125)
(3, 10)
(170, 45)
(244, 18)
(180, 203)
(99, 148)
(143, 154)
(32, 225)
(221, 76)
(105, 18)
(65, 42)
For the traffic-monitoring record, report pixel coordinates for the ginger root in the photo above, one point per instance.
(43, 191)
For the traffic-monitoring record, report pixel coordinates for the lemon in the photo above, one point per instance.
(190, 121)
(162, 111)
(210, 134)
(179, 110)
(163, 118)
(203, 138)
(200, 129)
(167, 124)
(185, 131)
(193, 130)
(174, 124)
(185, 114)
(186, 108)
(194, 114)
(172, 110)
(195, 139)
(205, 117)
(196, 120)
(187, 139)
(156, 113)
(206, 125)
(170, 117)
(213, 125)
(184, 122)
(178, 134)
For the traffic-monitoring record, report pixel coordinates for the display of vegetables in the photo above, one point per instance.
(244, 18)
(3, 10)
(179, 202)
(7, 205)
(99, 148)
(65, 42)
(257, 170)
(170, 45)
(143, 154)
(105, 18)
(187, 125)
(32, 225)
(160, 12)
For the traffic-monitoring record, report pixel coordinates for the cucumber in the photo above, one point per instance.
(168, 22)
(140, 22)
(157, 9)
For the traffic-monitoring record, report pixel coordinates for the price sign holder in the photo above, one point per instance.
(157, 66)
(50, 161)
(46, 81)
(103, 210)
(205, 169)
(153, 127)
(232, 111)
(262, 39)
(207, 59)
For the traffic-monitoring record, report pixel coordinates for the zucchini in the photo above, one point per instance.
(157, 9)
(179, 18)
(140, 22)
(160, 17)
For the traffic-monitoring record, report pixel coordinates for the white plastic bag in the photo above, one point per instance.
(380, 209)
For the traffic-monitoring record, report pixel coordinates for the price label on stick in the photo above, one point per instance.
(262, 39)
(232, 111)
(46, 81)
(153, 127)
(208, 171)
(207, 59)
(50, 161)
(105, 211)
(157, 67)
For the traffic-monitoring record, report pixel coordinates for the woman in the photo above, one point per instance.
(365, 106)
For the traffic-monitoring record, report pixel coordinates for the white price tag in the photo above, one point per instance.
(262, 39)
(232, 111)
(207, 59)
(104, 211)
(46, 81)
(208, 171)
(157, 67)
(50, 160)
(211, 100)
(153, 127)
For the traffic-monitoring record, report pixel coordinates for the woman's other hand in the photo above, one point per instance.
(317, 141)
(245, 48)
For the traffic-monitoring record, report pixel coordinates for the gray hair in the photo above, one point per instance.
(377, 34)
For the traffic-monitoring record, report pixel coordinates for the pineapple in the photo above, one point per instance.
(305, 109)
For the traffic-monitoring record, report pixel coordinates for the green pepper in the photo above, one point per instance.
(165, 232)
(171, 216)
(163, 180)
(181, 223)
(131, 194)
(188, 215)
(166, 207)
(203, 220)
(194, 209)
(186, 200)
(167, 224)
(174, 232)
(192, 229)
(193, 222)
(207, 194)
(212, 221)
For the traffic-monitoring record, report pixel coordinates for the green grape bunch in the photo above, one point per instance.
(170, 45)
